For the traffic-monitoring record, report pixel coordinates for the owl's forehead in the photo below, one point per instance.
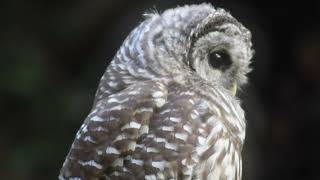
(197, 20)
(187, 17)
(197, 11)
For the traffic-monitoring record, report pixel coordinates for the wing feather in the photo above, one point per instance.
(112, 129)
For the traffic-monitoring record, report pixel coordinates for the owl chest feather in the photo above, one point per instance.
(214, 131)
(221, 154)
(223, 164)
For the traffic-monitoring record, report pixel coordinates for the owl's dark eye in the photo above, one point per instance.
(220, 60)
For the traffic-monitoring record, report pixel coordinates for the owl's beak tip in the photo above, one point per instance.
(234, 89)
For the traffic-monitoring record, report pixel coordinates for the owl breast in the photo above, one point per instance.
(224, 164)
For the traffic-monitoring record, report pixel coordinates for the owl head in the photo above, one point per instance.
(191, 41)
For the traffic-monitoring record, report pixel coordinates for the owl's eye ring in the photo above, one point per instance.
(219, 60)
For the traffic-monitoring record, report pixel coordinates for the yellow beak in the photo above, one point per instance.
(234, 89)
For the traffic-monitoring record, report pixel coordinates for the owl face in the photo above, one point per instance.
(221, 51)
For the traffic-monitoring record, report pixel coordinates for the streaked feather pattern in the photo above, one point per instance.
(155, 118)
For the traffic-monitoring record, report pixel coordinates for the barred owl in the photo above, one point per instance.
(166, 107)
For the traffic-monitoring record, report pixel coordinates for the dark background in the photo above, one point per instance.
(53, 54)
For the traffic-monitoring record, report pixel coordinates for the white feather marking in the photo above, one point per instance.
(188, 93)
(151, 149)
(99, 152)
(90, 163)
(128, 157)
(187, 171)
(121, 66)
(120, 137)
(112, 150)
(193, 115)
(160, 175)
(145, 110)
(102, 88)
(131, 146)
(181, 136)
(160, 102)
(93, 112)
(167, 128)
(124, 169)
(184, 162)
(107, 91)
(78, 136)
(187, 128)
(123, 54)
(175, 119)
(211, 120)
(191, 101)
(131, 125)
(99, 128)
(139, 45)
(150, 177)
(133, 92)
(134, 125)
(137, 162)
(115, 173)
(160, 140)
(220, 144)
(201, 140)
(117, 162)
(144, 72)
(112, 84)
(85, 129)
(89, 139)
(159, 164)
(215, 131)
(202, 131)
(141, 146)
(196, 112)
(157, 94)
(119, 107)
(171, 146)
(96, 119)
(117, 100)
(195, 157)
(201, 149)
(165, 111)
(74, 178)
(132, 70)
(144, 130)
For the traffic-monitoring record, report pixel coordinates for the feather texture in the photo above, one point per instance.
(159, 112)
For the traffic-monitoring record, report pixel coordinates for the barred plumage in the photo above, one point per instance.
(163, 110)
